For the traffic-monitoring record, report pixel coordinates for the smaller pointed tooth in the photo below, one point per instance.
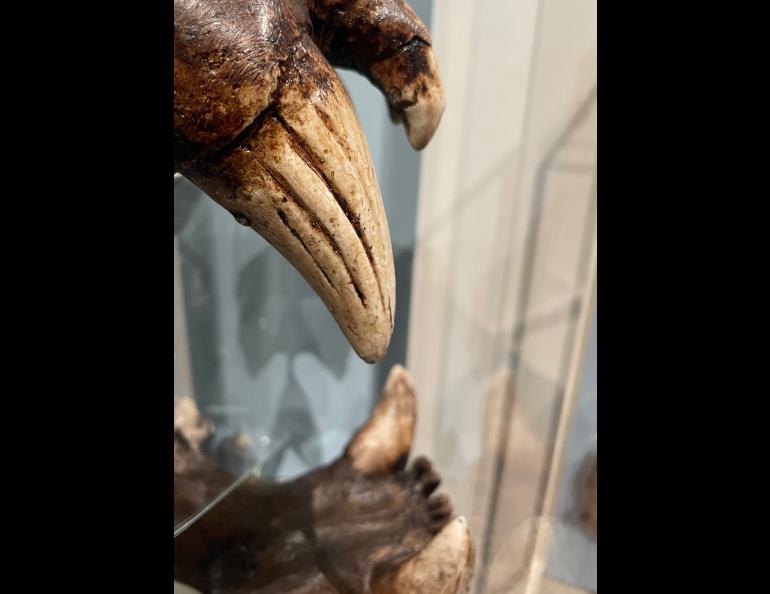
(386, 439)
(445, 566)
(411, 81)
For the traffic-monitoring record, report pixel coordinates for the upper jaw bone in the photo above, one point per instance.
(303, 178)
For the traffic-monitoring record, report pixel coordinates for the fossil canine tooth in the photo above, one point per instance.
(386, 439)
(387, 42)
(302, 177)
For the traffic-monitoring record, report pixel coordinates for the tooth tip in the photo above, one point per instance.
(371, 353)
(372, 344)
(422, 119)
(387, 436)
(398, 373)
(399, 391)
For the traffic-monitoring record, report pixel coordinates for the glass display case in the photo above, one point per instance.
(493, 228)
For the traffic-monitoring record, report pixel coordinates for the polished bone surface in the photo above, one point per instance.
(263, 125)
(366, 523)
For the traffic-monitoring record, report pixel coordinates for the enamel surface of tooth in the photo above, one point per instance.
(292, 162)
(342, 527)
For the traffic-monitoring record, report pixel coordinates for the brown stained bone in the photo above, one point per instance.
(263, 125)
(336, 529)
(386, 41)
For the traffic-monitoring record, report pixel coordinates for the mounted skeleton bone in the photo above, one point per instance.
(263, 125)
(364, 524)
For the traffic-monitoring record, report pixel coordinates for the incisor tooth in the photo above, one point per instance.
(417, 99)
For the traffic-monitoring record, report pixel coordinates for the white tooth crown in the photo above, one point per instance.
(303, 178)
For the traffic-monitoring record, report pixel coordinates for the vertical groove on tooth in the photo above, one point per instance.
(324, 117)
(313, 161)
(357, 144)
(302, 176)
(285, 188)
(285, 221)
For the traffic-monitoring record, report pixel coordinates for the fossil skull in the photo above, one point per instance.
(367, 523)
(264, 126)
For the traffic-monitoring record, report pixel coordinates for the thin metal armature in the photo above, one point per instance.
(254, 471)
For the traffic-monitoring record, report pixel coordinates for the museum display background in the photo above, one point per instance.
(494, 236)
